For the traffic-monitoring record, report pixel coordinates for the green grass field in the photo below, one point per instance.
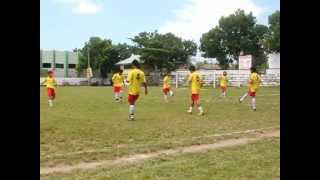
(257, 161)
(86, 125)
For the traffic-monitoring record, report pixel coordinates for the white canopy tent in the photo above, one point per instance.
(129, 60)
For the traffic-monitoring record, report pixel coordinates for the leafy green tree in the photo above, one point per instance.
(103, 55)
(235, 34)
(273, 41)
(96, 49)
(163, 51)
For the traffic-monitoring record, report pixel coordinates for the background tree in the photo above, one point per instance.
(273, 40)
(103, 55)
(163, 51)
(235, 34)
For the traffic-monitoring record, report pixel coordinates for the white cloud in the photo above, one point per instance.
(199, 16)
(87, 7)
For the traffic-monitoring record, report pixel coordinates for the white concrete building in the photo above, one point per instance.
(63, 62)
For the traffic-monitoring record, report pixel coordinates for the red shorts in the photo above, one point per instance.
(51, 92)
(223, 88)
(195, 97)
(117, 89)
(132, 98)
(252, 94)
(166, 90)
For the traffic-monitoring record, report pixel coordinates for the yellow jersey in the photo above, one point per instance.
(135, 78)
(117, 80)
(255, 81)
(166, 82)
(224, 81)
(50, 82)
(196, 82)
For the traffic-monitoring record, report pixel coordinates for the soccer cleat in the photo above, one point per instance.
(131, 117)
(240, 100)
(190, 112)
(254, 110)
(201, 113)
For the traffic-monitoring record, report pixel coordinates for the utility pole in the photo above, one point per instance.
(88, 68)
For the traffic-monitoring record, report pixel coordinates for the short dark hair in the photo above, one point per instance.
(50, 72)
(120, 70)
(253, 69)
(192, 68)
(136, 63)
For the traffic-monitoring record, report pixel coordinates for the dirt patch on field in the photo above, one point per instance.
(258, 135)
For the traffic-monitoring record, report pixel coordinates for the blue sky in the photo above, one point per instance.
(68, 24)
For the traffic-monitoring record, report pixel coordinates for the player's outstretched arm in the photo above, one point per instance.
(250, 80)
(189, 80)
(129, 78)
(145, 88)
(260, 80)
(55, 83)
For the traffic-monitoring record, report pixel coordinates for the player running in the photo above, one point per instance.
(254, 84)
(135, 79)
(118, 82)
(167, 86)
(224, 79)
(51, 84)
(195, 80)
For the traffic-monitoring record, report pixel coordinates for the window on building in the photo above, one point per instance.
(59, 65)
(46, 65)
(72, 66)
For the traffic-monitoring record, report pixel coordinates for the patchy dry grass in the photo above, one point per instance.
(85, 123)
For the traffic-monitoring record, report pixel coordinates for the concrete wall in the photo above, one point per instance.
(69, 81)
(274, 61)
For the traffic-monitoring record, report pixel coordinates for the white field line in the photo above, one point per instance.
(258, 95)
(238, 132)
(145, 145)
(172, 152)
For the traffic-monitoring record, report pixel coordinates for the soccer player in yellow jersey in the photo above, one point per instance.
(254, 84)
(195, 80)
(224, 79)
(135, 79)
(167, 86)
(50, 83)
(118, 82)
